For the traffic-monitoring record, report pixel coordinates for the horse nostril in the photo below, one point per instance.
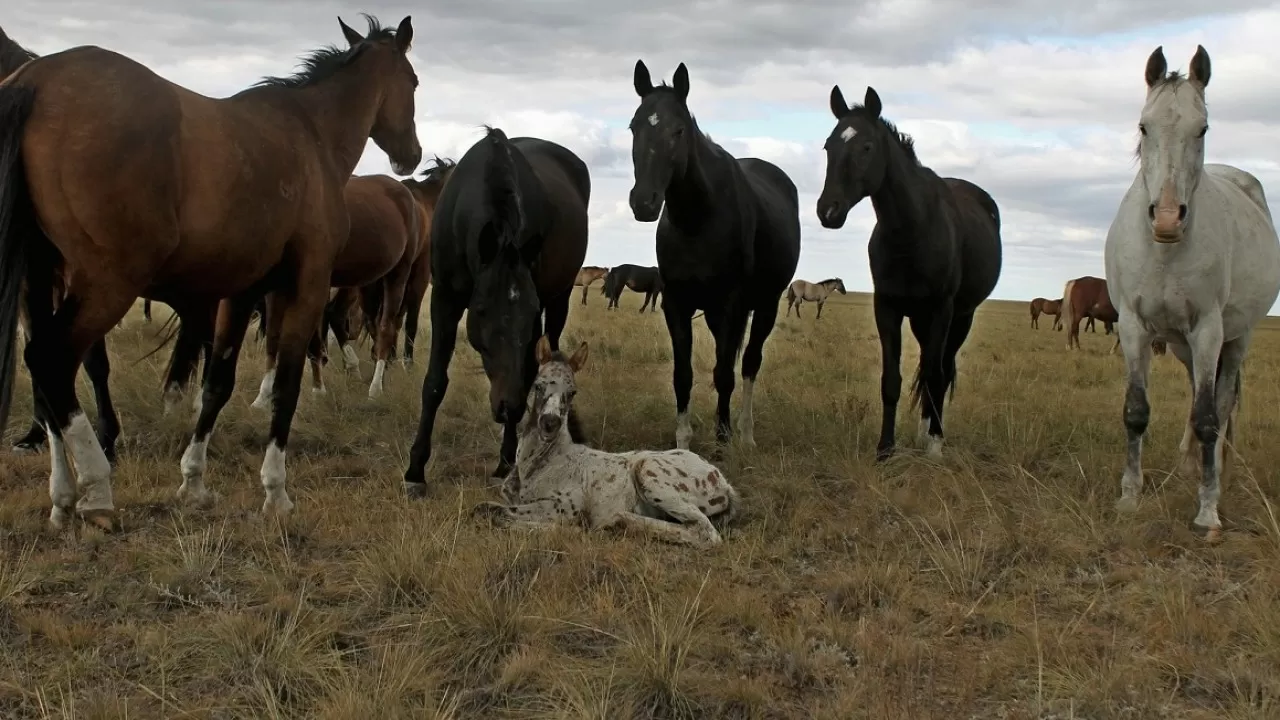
(549, 423)
(1182, 212)
(1151, 211)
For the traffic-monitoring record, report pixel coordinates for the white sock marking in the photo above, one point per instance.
(375, 387)
(62, 491)
(263, 402)
(350, 358)
(172, 396)
(92, 469)
(194, 460)
(684, 430)
(273, 481)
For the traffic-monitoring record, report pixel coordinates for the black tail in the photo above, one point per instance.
(17, 227)
(504, 189)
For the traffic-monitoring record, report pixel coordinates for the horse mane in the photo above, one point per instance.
(905, 141)
(12, 55)
(321, 64)
(434, 174)
(829, 280)
(503, 184)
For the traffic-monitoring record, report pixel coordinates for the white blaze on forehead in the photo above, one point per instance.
(513, 293)
(848, 134)
(653, 119)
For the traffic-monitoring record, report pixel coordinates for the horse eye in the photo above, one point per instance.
(1142, 128)
(1203, 130)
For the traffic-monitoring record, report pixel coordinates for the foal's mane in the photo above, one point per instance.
(322, 63)
(905, 141)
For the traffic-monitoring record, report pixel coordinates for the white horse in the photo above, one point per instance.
(558, 482)
(1192, 259)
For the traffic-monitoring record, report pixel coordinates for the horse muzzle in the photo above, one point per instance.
(646, 207)
(832, 214)
(1167, 221)
(549, 426)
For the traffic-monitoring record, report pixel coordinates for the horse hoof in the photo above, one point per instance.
(104, 520)
(58, 518)
(884, 453)
(322, 390)
(415, 490)
(277, 507)
(1127, 505)
(262, 403)
(198, 500)
(1213, 535)
(375, 393)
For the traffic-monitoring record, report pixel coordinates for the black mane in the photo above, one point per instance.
(12, 55)
(905, 141)
(321, 64)
(434, 174)
(830, 280)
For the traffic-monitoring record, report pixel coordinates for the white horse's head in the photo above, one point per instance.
(1173, 125)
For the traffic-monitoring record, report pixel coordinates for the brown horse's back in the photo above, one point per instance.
(384, 229)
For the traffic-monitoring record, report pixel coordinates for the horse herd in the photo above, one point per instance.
(116, 184)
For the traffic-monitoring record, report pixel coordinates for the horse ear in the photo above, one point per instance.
(353, 38)
(839, 107)
(1157, 66)
(1200, 67)
(872, 102)
(543, 350)
(404, 34)
(579, 357)
(641, 79)
(680, 81)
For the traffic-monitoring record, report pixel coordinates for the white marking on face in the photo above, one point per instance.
(513, 294)
(848, 134)
(653, 119)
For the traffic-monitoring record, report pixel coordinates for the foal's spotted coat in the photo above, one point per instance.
(670, 494)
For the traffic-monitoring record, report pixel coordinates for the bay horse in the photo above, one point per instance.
(228, 198)
(386, 235)
(636, 278)
(728, 241)
(508, 238)
(802, 291)
(1193, 259)
(1085, 297)
(587, 275)
(1041, 306)
(935, 253)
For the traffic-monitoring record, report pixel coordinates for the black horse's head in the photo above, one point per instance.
(857, 157)
(662, 132)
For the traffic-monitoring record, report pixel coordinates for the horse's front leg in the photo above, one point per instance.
(1136, 344)
(1206, 347)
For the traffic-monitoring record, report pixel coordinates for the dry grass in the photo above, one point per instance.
(997, 584)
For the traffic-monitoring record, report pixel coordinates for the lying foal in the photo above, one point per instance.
(556, 481)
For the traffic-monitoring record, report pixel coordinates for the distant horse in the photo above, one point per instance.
(802, 291)
(1085, 297)
(647, 280)
(669, 495)
(1193, 259)
(728, 241)
(587, 275)
(228, 198)
(935, 254)
(508, 238)
(381, 247)
(1041, 306)
(426, 190)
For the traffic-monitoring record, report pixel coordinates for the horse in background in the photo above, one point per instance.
(1041, 306)
(587, 275)
(728, 241)
(936, 254)
(647, 280)
(801, 291)
(1085, 297)
(1194, 260)
(157, 226)
(508, 238)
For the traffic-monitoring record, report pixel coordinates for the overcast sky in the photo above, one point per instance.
(1036, 103)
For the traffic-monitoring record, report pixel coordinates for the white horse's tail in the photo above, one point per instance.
(1064, 312)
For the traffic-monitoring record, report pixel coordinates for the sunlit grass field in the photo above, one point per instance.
(998, 583)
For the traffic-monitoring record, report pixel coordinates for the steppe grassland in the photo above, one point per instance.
(997, 583)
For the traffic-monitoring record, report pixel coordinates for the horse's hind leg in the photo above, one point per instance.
(762, 321)
(98, 367)
(727, 327)
(820, 304)
(1212, 446)
(393, 286)
(931, 382)
(274, 321)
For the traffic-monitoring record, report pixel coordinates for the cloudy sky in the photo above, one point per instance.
(1035, 103)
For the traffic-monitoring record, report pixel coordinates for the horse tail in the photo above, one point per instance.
(18, 227)
(791, 294)
(501, 181)
(1064, 311)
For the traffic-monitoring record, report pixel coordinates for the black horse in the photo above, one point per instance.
(639, 279)
(728, 242)
(935, 253)
(508, 238)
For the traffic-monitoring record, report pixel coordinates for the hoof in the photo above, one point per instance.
(375, 393)
(884, 453)
(262, 403)
(322, 390)
(415, 490)
(1127, 505)
(58, 517)
(277, 507)
(501, 472)
(1212, 536)
(104, 520)
(197, 499)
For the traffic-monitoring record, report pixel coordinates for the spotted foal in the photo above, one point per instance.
(668, 494)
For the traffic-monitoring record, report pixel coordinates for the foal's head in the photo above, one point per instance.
(858, 156)
(551, 397)
(1173, 125)
(394, 129)
(662, 134)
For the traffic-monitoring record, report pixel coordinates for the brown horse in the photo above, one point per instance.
(1041, 306)
(1085, 296)
(426, 190)
(226, 198)
(386, 235)
(587, 275)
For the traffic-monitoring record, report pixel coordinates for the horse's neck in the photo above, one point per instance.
(533, 453)
(689, 193)
(904, 200)
(342, 110)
